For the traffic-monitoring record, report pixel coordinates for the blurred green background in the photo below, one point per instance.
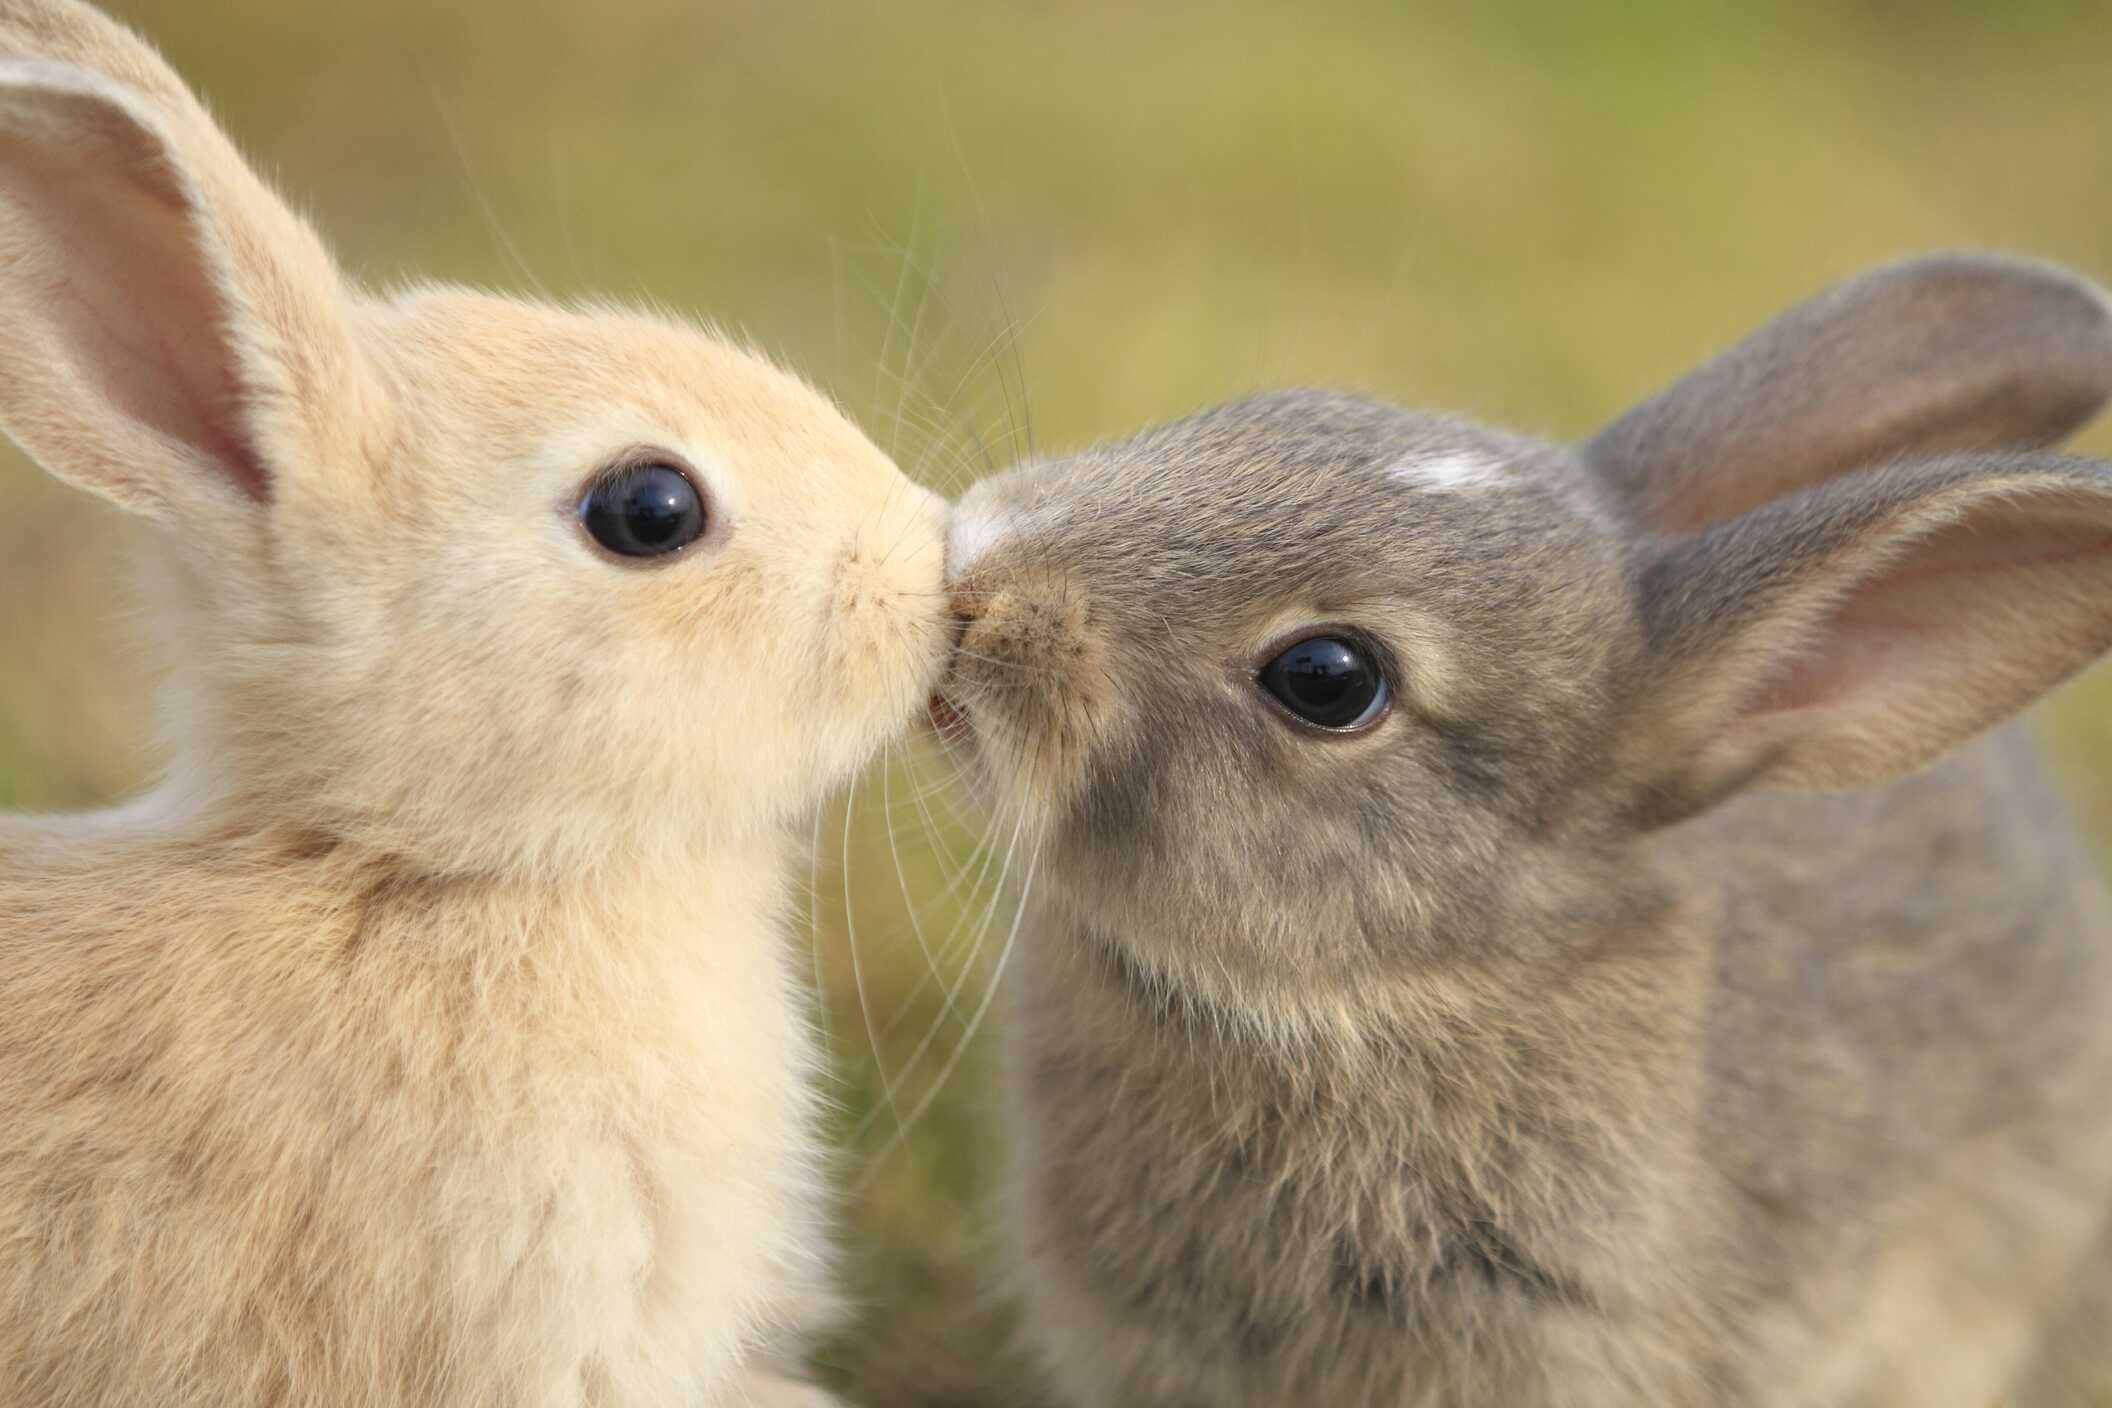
(984, 225)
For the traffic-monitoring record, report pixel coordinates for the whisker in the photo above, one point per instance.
(916, 925)
(943, 426)
(505, 242)
(997, 286)
(981, 929)
(821, 982)
(932, 973)
(894, 317)
(865, 1009)
(975, 1023)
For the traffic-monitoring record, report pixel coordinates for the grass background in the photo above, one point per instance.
(987, 224)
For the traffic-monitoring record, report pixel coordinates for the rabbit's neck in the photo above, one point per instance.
(584, 1096)
(1440, 1169)
(295, 893)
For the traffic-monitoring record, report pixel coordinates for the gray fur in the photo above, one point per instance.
(1568, 1038)
(1948, 352)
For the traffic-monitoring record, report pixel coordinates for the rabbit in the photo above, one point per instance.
(1516, 924)
(428, 1034)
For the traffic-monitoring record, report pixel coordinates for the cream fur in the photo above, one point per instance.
(428, 1036)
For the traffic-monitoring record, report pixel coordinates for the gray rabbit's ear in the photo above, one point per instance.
(171, 336)
(1855, 633)
(1928, 356)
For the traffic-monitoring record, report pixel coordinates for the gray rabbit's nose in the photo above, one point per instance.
(965, 609)
(971, 532)
(948, 718)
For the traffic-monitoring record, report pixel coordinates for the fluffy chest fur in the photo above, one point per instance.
(1720, 1154)
(1208, 1219)
(371, 1139)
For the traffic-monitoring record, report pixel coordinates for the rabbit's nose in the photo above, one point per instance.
(948, 718)
(971, 606)
(979, 611)
(968, 606)
(974, 596)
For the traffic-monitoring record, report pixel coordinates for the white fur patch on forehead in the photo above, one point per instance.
(1450, 472)
(972, 532)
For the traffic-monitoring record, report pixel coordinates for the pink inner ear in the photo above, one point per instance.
(134, 307)
(1975, 618)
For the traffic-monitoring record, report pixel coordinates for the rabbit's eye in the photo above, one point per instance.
(1329, 682)
(644, 510)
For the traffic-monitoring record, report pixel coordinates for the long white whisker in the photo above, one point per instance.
(821, 982)
(511, 250)
(894, 850)
(979, 863)
(865, 1008)
(980, 928)
(974, 1024)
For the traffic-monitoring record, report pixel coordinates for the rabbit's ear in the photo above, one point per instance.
(1854, 633)
(1928, 356)
(171, 335)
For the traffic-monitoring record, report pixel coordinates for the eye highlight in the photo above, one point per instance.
(1328, 681)
(643, 510)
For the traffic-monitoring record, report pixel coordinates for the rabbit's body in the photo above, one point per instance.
(290, 1124)
(1909, 1050)
(1496, 1041)
(427, 1038)
(1387, 1218)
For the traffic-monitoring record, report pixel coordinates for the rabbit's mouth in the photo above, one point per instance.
(948, 719)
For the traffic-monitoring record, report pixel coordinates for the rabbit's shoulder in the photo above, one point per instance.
(1899, 970)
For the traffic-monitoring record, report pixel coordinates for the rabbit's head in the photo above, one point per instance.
(446, 573)
(1305, 692)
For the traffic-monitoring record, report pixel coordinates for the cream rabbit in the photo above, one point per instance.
(1456, 972)
(427, 1037)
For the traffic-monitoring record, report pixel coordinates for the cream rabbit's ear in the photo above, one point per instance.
(172, 337)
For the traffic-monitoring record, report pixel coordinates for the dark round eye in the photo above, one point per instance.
(643, 511)
(1328, 682)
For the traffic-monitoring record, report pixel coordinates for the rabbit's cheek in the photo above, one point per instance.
(981, 751)
(1035, 680)
(884, 623)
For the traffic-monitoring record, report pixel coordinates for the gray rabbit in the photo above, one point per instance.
(1516, 924)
